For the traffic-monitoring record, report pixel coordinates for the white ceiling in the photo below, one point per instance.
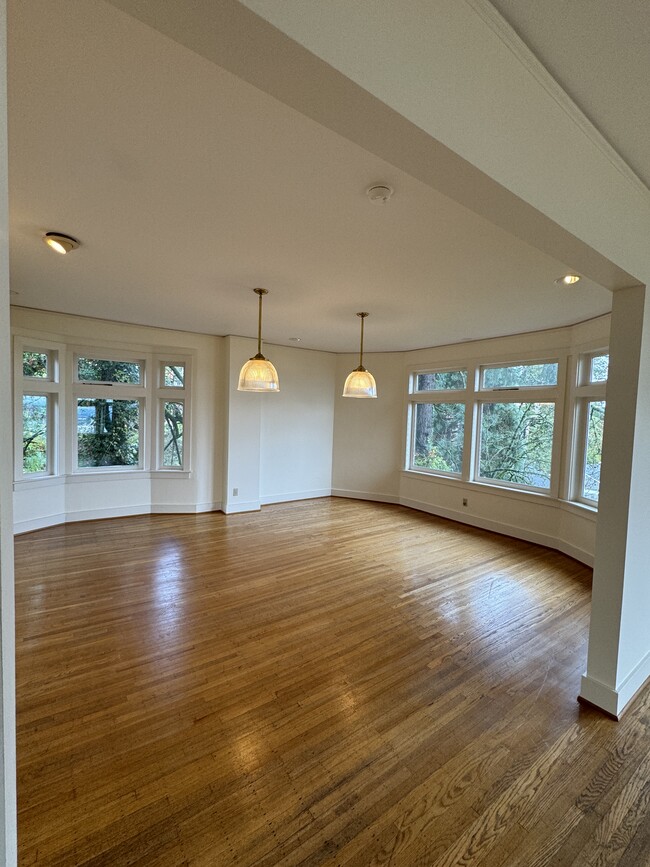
(188, 187)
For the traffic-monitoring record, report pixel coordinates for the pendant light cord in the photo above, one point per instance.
(260, 293)
(362, 316)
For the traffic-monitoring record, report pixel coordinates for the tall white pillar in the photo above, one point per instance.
(8, 834)
(619, 637)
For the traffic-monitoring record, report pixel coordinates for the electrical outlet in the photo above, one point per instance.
(235, 492)
(464, 501)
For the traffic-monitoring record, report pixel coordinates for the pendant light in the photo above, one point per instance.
(258, 374)
(360, 383)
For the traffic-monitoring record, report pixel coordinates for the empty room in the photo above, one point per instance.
(326, 376)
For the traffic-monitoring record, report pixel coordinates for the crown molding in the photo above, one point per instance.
(511, 39)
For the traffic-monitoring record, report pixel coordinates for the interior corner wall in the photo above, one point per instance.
(369, 433)
(297, 427)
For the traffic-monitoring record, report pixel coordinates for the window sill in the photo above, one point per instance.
(95, 476)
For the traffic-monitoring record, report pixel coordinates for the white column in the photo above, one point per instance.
(8, 834)
(619, 637)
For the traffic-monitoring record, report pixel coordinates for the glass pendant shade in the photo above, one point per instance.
(360, 383)
(258, 374)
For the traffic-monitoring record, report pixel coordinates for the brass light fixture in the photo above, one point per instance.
(60, 243)
(360, 383)
(258, 374)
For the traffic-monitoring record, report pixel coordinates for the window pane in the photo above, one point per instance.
(441, 380)
(174, 376)
(104, 370)
(516, 443)
(173, 417)
(595, 420)
(35, 364)
(438, 442)
(35, 433)
(108, 432)
(520, 375)
(599, 368)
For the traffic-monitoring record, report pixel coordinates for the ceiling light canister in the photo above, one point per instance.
(258, 374)
(568, 279)
(60, 243)
(360, 383)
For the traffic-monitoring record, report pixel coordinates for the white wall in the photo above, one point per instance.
(297, 427)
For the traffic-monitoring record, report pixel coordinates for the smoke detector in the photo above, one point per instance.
(379, 194)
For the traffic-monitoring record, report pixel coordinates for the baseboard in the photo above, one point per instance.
(365, 495)
(578, 554)
(39, 523)
(236, 508)
(184, 508)
(295, 495)
(614, 701)
(114, 512)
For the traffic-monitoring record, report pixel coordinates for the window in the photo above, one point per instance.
(36, 395)
(460, 428)
(173, 400)
(517, 443)
(593, 370)
(437, 415)
(36, 424)
(108, 432)
(116, 411)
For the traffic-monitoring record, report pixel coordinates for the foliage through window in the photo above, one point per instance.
(36, 364)
(517, 443)
(174, 375)
(108, 432)
(441, 380)
(520, 375)
(106, 370)
(35, 433)
(439, 430)
(173, 422)
(593, 450)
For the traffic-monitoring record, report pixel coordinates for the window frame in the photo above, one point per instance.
(436, 396)
(585, 391)
(49, 387)
(172, 394)
(475, 396)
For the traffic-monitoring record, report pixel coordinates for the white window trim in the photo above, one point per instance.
(172, 394)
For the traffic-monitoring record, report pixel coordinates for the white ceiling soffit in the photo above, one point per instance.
(188, 187)
(599, 53)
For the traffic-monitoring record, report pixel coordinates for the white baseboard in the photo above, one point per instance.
(366, 495)
(578, 554)
(615, 700)
(113, 512)
(295, 495)
(39, 523)
(231, 508)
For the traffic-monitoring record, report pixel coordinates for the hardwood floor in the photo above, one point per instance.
(330, 682)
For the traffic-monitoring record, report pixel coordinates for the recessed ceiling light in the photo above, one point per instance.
(379, 194)
(60, 243)
(568, 279)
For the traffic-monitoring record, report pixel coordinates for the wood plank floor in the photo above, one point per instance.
(330, 682)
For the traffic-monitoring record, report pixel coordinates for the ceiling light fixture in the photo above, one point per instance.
(379, 194)
(60, 243)
(360, 383)
(258, 374)
(568, 279)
